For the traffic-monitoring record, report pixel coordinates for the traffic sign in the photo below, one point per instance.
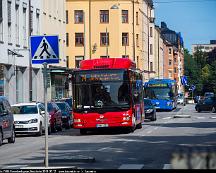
(44, 49)
(184, 81)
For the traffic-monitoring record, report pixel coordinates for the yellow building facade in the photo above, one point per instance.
(104, 28)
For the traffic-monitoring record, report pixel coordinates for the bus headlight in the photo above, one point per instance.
(77, 120)
(169, 103)
(126, 118)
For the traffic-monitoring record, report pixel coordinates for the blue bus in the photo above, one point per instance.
(162, 92)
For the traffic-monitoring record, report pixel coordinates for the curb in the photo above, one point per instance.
(69, 159)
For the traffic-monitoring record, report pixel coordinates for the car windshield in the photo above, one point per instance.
(62, 106)
(102, 90)
(147, 102)
(27, 109)
(159, 93)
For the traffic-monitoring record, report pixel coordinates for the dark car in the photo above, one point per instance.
(208, 104)
(67, 100)
(7, 128)
(55, 116)
(66, 114)
(150, 111)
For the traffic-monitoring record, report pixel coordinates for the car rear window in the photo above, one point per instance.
(27, 109)
(147, 102)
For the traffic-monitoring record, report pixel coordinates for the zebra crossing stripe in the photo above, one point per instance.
(131, 166)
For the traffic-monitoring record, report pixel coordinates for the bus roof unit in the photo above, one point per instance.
(114, 63)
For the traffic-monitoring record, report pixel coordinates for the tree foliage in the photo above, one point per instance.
(200, 70)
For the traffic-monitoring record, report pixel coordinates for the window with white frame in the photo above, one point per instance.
(9, 21)
(38, 23)
(17, 23)
(1, 21)
(24, 27)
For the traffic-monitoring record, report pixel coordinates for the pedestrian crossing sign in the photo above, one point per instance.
(44, 49)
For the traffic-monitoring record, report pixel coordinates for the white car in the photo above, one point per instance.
(29, 118)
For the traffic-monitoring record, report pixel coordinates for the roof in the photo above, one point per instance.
(23, 104)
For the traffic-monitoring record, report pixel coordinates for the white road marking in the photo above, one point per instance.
(200, 117)
(181, 116)
(131, 166)
(213, 117)
(149, 131)
(166, 118)
(167, 166)
(155, 128)
(15, 166)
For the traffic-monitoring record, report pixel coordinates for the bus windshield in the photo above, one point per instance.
(101, 89)
(159, 93)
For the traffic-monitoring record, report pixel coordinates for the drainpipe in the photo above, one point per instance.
(30, 63)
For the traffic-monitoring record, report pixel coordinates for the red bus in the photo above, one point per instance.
(107, 93)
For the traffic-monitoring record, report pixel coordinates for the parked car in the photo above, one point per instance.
(208, 104)
(67, 119)
(67, 100)
(55, 116)
(7, 129)
(150, 110)
(181, 99)
(29, 118)
(208, 94)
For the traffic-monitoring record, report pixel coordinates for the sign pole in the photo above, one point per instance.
(46, 117)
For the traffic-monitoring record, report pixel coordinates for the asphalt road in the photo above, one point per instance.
(148, 148)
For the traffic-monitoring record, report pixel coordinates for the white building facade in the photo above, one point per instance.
(18, 19)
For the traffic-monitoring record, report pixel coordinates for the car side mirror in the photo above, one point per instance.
(42, 112)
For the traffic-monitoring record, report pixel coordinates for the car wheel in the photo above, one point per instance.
(40, 133)
(12, 138)
(1, 138)
(139, 126)
(53, 127)
(213, 109)
(83, 131)
(131, 129)
(198, 110)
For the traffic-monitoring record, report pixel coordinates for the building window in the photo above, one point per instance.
(151, 66)
(17, 24)
(170, 74)
(104, 39)
(151, 32)
(66, 17)
(138, 61)
(24, 28)
(67, 61)
(1, 21)
(38, 23)
(151, 49)
(124, 16)
(79, 39)
(67, 39)
(175, 60)
(125, 41)
(125, 56)
(9, 21)
(137, 40)
(78, 16)
(170, 51)
(170, 62)
(104, 56)
(77, 61)
(31, 21)
(137, 18)
(175, 70)
(104, 16)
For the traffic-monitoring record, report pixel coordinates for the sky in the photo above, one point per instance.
(195, 19)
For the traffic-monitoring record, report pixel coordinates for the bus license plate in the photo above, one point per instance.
(102, 125)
